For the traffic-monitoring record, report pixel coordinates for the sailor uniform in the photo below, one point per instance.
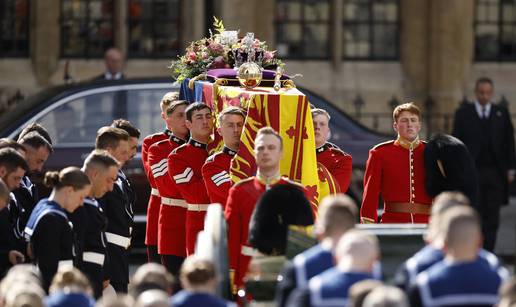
(303, 267)
(428, 256)
(447, 283)
(117, 205)
(151, 231)
(90, 224)
(51, 236)
(7, 241)
(190, 299)
(26, 199)
(328, 289)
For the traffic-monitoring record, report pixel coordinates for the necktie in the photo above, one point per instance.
(484, 112)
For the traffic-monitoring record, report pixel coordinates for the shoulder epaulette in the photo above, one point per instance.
(339, 151)
(212, 157)
(383, 144)
(179, 149)
(248, 179)
(292, 182)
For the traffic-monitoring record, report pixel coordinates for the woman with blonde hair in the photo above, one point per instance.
(70, 287)
(49, 231)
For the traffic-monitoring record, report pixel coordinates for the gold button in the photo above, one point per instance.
(413, 195)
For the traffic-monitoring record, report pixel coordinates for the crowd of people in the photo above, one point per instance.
(73, 247)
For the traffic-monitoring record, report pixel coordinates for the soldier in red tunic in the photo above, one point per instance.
(268, 151)
(338, 163)
(185, 164)
(216, 169)
(395, 169)
(151, 232)
(172, 210)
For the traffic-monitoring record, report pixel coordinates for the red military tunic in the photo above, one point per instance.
(215, 173)
(397, 172)
(338, 163)
(151, 232)
(239, 208)
(185, 164)
(172, 212)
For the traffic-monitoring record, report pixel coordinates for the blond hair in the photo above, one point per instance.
(406, 107)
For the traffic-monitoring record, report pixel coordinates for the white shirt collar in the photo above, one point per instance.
(110, 76)
(478, 107)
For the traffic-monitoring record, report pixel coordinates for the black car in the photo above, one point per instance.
(73, 114)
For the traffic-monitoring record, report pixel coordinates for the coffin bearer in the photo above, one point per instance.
(171, 219)
(395, 169)
(151, 232)
(216, 169)
(338, 163)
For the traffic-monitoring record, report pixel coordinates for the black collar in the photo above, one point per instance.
(229, 151)
(197, 144)
(176, 139)
(323, 148)
(168, 132)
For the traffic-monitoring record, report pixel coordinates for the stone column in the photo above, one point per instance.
(336, 41)
(120, 25)
(193, 25)
(44, 39)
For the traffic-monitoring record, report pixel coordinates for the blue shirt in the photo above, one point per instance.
(186, 299)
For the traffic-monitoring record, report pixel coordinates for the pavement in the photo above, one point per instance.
(506, 238)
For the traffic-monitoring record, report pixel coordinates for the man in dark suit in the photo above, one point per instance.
(114, 61)
(487, 131)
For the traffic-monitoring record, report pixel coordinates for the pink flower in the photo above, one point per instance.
(218, 62)
(192, 56)
(269, 55)
(216, 48)
(204, 55)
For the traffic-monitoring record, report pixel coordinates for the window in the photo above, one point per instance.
(370, 29)
(154, 27)
(14, 34)
(495, 30)
(302, 28)
(77, 121)
(143, 109)
(86, 27)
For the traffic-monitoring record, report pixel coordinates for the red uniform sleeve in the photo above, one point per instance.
(145, 150)
(234, 220)
(190, 185)
(342, 171)
(372, 188)
(217, 181)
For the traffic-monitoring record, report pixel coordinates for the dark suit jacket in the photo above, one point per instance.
(467, 127)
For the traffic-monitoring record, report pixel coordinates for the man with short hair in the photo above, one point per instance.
(338, 163)
(114, 62)
(356, 253)
(433, 251)
(35, 127)
(171, 213)
(461, 276)
(151, 231)
(37, 150)
(215, 171)
(118, 208)
(90, 222)
(184, 166)
(336, 215)
(268, 151)
(395, 169)
(487, 131)
(134, 134)
(12, 169)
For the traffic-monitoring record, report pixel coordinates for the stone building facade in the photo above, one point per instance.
(426, 51)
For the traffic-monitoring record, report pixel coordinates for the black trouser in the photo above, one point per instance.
(95, 274)
(119, 287)
(152, 254)
(491, 196)
(173, 264)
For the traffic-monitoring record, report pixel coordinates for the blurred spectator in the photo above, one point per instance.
(508, 293)
(114, 62)
(356, 255)
(199, 281)
(358, 292)
(70, 288)
(26, 275)
(153, 298)
(386, 296)
(433, 251)
(4, 195)
(36, 128)
(337, 214)
(20, 295)
(462, 276)
(151, 276)
(121, 300)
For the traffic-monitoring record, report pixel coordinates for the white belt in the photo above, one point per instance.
(64, 264)
(198, 207)
(154, 192)
(174, 202)
(119, 240)
(249, 251)
(93, 257)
